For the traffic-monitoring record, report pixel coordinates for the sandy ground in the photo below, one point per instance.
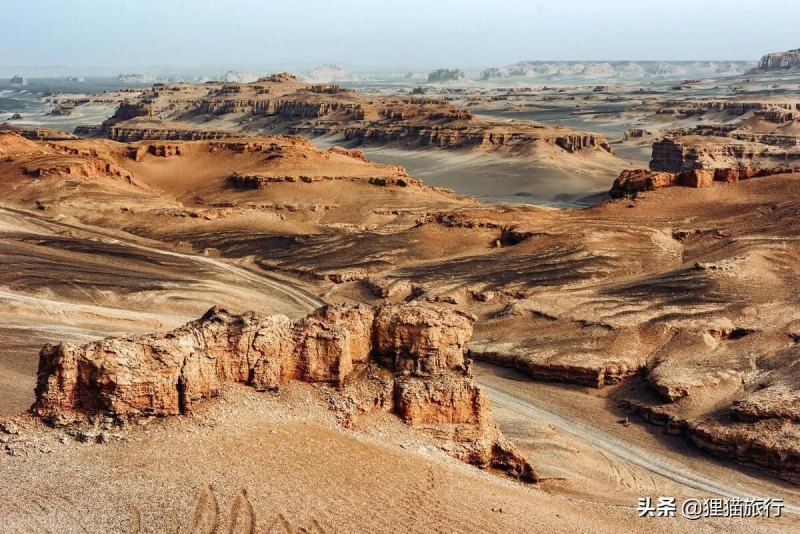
(65, 281)
(69, 280)
(260, 463)
(494, 179)
(575, 433)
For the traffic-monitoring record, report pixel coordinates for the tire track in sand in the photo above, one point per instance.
(258, 281)
(625, 451)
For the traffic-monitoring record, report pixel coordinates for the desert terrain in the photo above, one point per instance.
(452, 307)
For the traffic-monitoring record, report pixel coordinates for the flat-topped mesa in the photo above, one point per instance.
(38, 134)
(419, 350)
(684, 109)
(476, 137)
(180, 112)
(780, 60)
(446, 75)
(126, 134)
(258, 181)
(698, 152)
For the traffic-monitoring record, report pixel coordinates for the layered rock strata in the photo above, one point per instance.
(697, 152)
(131, 134)
(180, 112)
(631, 182)
(257, 181)
(417, 353)
(780, 60)
(470, 137)
(446, 75)
(768, 442)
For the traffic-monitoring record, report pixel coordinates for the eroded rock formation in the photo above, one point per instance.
(631, 182)
(780, 60)
(768, 442)
(446, 75)
(257, 181)
(179, 112)
(131, 134)
(418, 350)
(697, 152)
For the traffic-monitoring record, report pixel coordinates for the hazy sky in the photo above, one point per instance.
(392, 34)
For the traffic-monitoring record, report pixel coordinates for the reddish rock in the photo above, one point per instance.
(636, 180)
(330, 341)
(421, 351)
(726, 175)
(697, 178)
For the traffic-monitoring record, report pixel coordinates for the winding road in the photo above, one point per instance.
(258, 280)
(625, 451)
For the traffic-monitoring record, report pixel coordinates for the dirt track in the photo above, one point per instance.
(264, 280)
(606, 442)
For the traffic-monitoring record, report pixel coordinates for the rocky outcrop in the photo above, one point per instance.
(780, 60)
(137, 153)
(591, 374)
(131, 110)
(768, 444)
(355, 154)
(89, 130)
(697, 152)
(492, 72)
(631, 182)
(446, 75)
(130, 134)
(165, 113)
(306, 110)
(256, 181)
(684, 109)
(471, 137)
(62, 160)
(419, 350)
(38, 134)
(635, 133)
(779, 400)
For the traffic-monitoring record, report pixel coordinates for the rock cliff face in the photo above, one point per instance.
(696, 152)
(419, 351)
(631, 182)
(276, 106)
(256, 181)
(765, 442)
(780, 60)
(446, 75)
(492, 72)
(684, 109)
(130, 134)
(470, 137)
(180, 113)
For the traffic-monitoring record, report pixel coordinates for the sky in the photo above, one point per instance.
(384, 34)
